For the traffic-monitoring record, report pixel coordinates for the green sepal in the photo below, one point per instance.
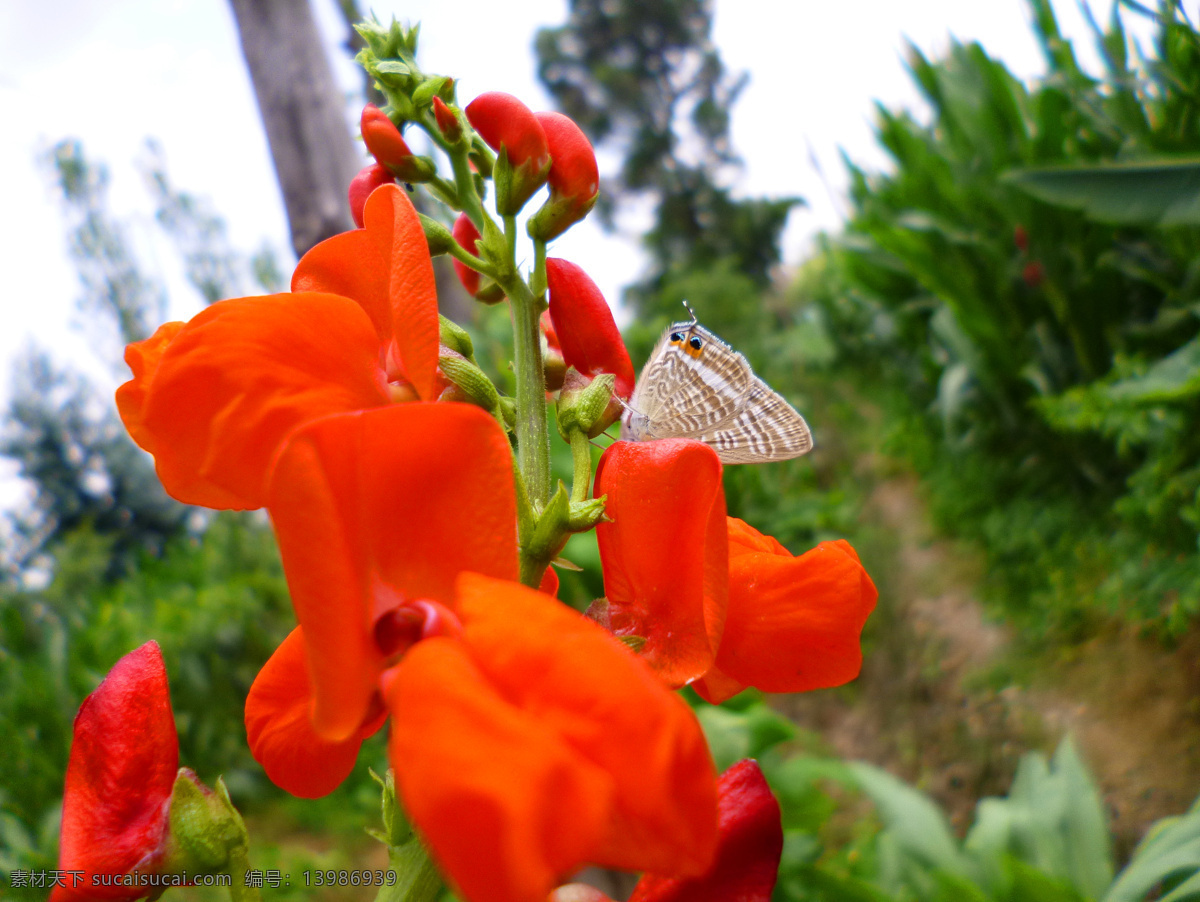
(508, 410)
(473, 381)
(396, 828)
(414, 169)
(584, 515)
(557, 215)
(417, 879)
(455, 337)
(206, 833)
(516, 184)
(583, 409)
(492, 248)
(481, 156)
(437, 236)
(432, 86)
(552, 527)
(489, 291)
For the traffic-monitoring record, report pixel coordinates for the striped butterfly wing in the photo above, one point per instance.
(683, 395)
(766, 429)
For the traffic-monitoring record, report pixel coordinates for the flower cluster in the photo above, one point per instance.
(415, 518)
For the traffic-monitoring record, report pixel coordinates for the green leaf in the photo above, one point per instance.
(1147, 192)
(1172, 849)
(1174, 378)
(914, 823)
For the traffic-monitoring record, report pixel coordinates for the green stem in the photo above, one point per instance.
(239, 891)
(581, 455)
(445, 191)
(464, 179)
(466, 258)
(417, 877)
(537, 282)
(533, 433)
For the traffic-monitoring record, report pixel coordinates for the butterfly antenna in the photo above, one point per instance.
(692, 313)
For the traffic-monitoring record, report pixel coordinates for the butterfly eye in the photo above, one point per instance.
(696, 343)
(676, 337)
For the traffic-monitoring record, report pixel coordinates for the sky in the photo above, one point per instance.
(117, 72)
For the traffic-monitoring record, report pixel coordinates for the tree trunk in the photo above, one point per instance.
(301, 107)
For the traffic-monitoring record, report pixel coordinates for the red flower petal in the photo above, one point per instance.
(124, 757)
(384, 141)
(665, 553)
(503, 120)
(386, 269)
(467, 235)
(236, 379)
(368, 179)
(585, 327)
(280, 732)
(538, 744)
(794, 622)
(748, 851)
(573, 170)
(377, 508)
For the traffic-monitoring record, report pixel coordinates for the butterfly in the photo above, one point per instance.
(696, 386)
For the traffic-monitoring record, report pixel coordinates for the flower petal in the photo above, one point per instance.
(279, 727)
(386, 268)
(143, 358)
(569, 673)
(124, 757)
(538, 743)
(505, 805)
(378, 507)
(664, 555)
(236, 379)
(748, 851)
(794, 622)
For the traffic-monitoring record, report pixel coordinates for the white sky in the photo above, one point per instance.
(114, 72)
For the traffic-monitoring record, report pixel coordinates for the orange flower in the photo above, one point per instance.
(214, 399)
(692, 581)
(525, 740)
(794, 622)
(664, 553)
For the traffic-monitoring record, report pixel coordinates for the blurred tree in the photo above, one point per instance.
(304, 115)
(644, 77)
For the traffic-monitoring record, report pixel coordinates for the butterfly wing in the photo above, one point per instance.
(683, 396)
(767, 428)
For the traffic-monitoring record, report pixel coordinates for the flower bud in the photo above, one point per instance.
(468, 378)
(467, 236)
(749, 846)
(574, 178)
(368, 179)
(587, 332)
(1033, 273)
(447, 121)
(1021, 238)
(552, 359)
(510, 128)
(437, 236)
(386, 145)
(583, 404)
(476, 285)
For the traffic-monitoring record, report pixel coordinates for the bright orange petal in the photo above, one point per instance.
(606, 704)
(380, 507)
(665, 553)
(794, 622)
(279, 727)
(237, 379)
(506, 806)
(143, 358)
(386, 268)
